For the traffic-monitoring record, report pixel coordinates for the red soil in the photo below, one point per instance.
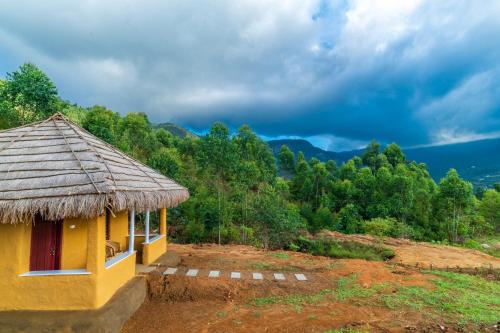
(184, 304)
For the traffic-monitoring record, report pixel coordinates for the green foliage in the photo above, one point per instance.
(286, 159)
(103, 123)
(31, 94)
(344, 249)
(167, 161)
(277, 221)
(489, 209)
(348, 220)
(379, 226)
(455, 204)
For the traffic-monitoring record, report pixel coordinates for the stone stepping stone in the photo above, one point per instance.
(170, 271)
(279, 276)
(214, 274)
(300, 277)
(192, 272)
(257, 276)
(235, 275)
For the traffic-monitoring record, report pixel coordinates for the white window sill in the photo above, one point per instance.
(154, 239)
(119, 258)
(57, 272)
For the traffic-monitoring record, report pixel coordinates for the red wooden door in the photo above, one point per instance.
(46, 237)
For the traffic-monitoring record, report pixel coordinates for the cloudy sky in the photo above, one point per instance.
(337, 72)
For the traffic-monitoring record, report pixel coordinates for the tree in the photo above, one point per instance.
(369, 157)
(286, 159)
(394, 154)
(277, 221)
(302, 184)
(103, 123)
(136, 136)
(9, 118)
(348, 220)
(31, 93)
(166, 161)
(251, 148)
(489, 209)
(165, 138)
(455, 202)
(218, 159)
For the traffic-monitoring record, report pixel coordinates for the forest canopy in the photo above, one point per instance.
(240, 193)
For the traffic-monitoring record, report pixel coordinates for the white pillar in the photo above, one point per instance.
(147, 228)
(131, 231)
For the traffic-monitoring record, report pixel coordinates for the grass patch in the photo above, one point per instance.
(221, 314)
(335, 265)
(279, 255)
(346, 289)
(471, 299)
(294, 300)
(262, 265)
(344, 330)
(465, 298)
(269, 266)
(344, 249)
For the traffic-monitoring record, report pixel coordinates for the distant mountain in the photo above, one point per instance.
(477, 161)
(176, 130)
(310, 151)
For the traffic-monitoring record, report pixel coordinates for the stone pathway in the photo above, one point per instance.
(192, 272)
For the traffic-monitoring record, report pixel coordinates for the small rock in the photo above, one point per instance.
(485, 246)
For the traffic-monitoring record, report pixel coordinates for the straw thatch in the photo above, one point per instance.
(59, 170)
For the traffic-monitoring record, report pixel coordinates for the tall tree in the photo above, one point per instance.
(455, 202)
(103, 123)
(370, 155)
(489, 208)
(394, 154)
(31, 93)
(286, 159)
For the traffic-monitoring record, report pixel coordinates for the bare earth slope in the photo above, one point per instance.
(338, 296)
(425, 254)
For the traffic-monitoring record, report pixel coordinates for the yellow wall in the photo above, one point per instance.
(36, 292)
(152, 251)
(60, 292)
(74, 244)
(119, 229)
(108, 279)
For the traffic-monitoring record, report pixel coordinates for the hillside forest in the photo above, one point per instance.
(240, 193)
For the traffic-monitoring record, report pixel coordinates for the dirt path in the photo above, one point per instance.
(201, 304)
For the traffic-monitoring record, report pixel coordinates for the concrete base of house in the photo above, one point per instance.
(107, 319)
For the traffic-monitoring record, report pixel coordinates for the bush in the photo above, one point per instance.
(344, 249)
(379, 226)
(388, 227)
(472, 244)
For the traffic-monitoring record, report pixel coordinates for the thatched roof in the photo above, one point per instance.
(57, 169)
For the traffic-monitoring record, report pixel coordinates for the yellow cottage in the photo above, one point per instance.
(68, 203)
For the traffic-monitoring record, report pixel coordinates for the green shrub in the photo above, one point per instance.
(472, 244)
(388, 227)
(344, 249)
(379, 226)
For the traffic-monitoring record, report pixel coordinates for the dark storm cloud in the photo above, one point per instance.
(414, 72)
